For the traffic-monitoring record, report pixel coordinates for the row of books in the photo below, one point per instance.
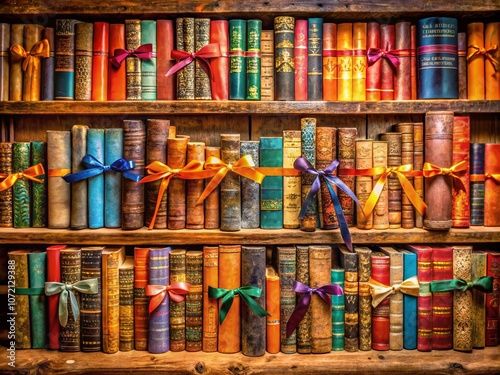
(199, 58)
(231, 298)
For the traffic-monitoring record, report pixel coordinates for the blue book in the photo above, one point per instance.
(410, 308)
(95, 147)
(271, 192)
(113, 150)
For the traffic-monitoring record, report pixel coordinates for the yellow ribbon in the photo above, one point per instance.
(431, 170)
(492, 54)
(380, 291)
(244, 167)
(401, 172)
(31, 173)
(32, 58)
(495, 177)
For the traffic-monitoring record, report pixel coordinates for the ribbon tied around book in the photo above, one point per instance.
(495, 177)
(431, 170)
(177, 292)
(303, 165)
(94, 167)
(142, 52)
(31, 173)
(380, 291)
(483, 284)
(300, 310)
(492, 54)
(375, 54)
(32, 58)
(202, 55)
(247, 293)
(88, 286)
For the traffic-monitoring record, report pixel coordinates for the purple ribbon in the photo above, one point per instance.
(375, 54)
(305, 300)
(143, 52)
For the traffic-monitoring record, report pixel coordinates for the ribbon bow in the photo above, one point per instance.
(495, 177)
(305, 300)
(492, 54)
(94, 167)
(88, 286)
(380, 291)
(431, 170)
(206, 52)
(303, 165)
(483, 283)
(246, 293)
(31, 173)
(375, 54)
(244, 167)
(32, 58)
(143, 52)
(177, 291)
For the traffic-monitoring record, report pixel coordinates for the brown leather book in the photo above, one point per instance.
(6, 218)
(359, 61)
(344, 58)
(292, 144)
(69, 336)
(165, 86)
(407, 210)
(475, 61)
(79, 190)
(133, 63)
(176, 199)
(418, 164)
(462, 65)
(460, 211)
(267, 65)
(364, 184)
(330, 61)
(373, 70)
(462, 300)
(393, 185)
(194, 301)
(33, 72)
(210, 305)
(273, 308)
(492, 76)
(346, 154)
(402, 76)
(100, 61)
(16, 62)
(4, 60)
(387, 42)
(364, 298)
(47, 83)
(126, 293)
(302, 275)
(491, 187)
(230, 191)
(381, 210)
(84, 32)
(212, 202)
(195, 213)
(117, 77)
(286, 261)
(326, 153)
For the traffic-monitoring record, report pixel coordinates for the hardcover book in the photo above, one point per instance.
(491, 187)
(413, 62)
(381, 210)
(210, 305)
(95, 147)
(271, 199)
(394, 188)
(346, 153)
(284, 28)
(492, 313)
(219, 33)
(39, 190)
(194, 301)
(479, 269)
(237, 60)
(349, 261)
(308, 128)
(359, 61)
(195, 213)
(475, 62)
(462, 65)
(53, 275)
(253, 60)
(133, 63)
(338, 310)
(83, 60)
(230, 193)
(6, 206)
(64, 71)
(176, 198)
(387, 42)
(326, 153)
(184, 30)
(373, 69)
(273, 330)
(345, 61)
(267, 65)
(363, 184)
(402, 76)
(212, 201)
(113, 150)
(330, 61)
(287, 269)
(315, 59)
(201, 78)
(32, 70)
(16, 70)
(100, 61)
(410, 303)
(38, 313)
(381, 313)
(165, 86)
(117, 77)
(302, 275)
(148, 66)
(141, 301)
(47, 78)
(492, 78)
(364, 299)
(250, 190)
(462, 300)
(292, 146)
(79, 189)
(177, 309)
(460, 200)
(476, 183)
(4, 60)
(300, 59)
(418, 164)
(126, 320)
(21, 191)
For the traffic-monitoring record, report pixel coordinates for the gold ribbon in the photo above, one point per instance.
(495, 177)
(380, 291)
(31, 173)
(492, 54)
(278, 171)
(431, 170)
(32, 58)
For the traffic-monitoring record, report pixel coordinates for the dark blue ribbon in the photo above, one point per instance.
(303, 165)
(94, 167)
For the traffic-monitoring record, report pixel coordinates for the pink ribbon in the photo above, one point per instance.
(143, 52)
(206, 52)
(375, 54)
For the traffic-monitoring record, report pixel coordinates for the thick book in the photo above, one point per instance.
(37, 264)
(100, 52)
(338, 310)
(95, 147)
(308, 145)
(271, 193)
(176, 198)
(230, 189)
(194, 301)
(250, 190)
(47, 78)
(219, 34)
(237, 60)
(79, 189)
(6, 213)
(492, 78)
(253, 60)
(165, 86)
(475, 61)
(418, 164)
(373, 70)
(462, 300)
(133, 63)
(267, 65)
(407, 209)
(492, 313)
(477, 183)
(84, 32)
(302, 275)
(113, 150)
(177, 309)
(460, 199)
(300, 60)
(292, 147)
(148, 66)
(326, 153)
(284, 28)
(4, 60)
(359, 61)
(21, 191)
(33, 71)
(387, 42)
(15, 69)
(315, 59)
(64, 71)
(479, 269)
(394, 189)
(212, 201)
(363, 184)
(330, 61)
(69, 336)
(184, 31)
(195, 213)
(273, 329)
(350, 263)
(410, 303)
(201, 78)
(117, 76)
(365, 298)
(210, 305)
(287, 269)
(126, 293)
(39, 190)
(345, 60)
(462, 65)
(402, 76)
(491, 187)
(141, 301)
(381, 313)
(346, 152)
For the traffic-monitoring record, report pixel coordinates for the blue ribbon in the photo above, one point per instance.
(303, 165)
(94, 167)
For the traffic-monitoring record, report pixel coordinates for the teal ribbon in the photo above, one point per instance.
(88, 286)
(483, 283)
(29, 291)
(245, 292)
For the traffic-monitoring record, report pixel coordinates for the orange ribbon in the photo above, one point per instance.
(244, 167)
(431, 170)
(31, 173)
(277, 171)
(476, 178)
(59, 172)
(177, 291)
(495, 177)
(492, 54)
(32, 58)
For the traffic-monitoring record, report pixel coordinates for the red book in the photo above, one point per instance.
(300, 59)
(373, 70)
(402, 76)
(100, 61)
(220, 65)
(386, 68)
(492, 305)
(165, 86)
(380, 314)
(54, 275)
(460, 199)
(116, 77)
(141, 300)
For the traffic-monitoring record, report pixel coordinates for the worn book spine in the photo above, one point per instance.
(95, 147)
(273, 334)
(79, 189)
(308, 145)
(212, 201)
(39, 190)
(346, 152)
(410, 303)
(64, 71)
(21, 191)
(53, 275)
(438, 151)
(271, 194)
(177, 309)
(476, 184)
(250, 190)
(134, 148)
(359, 61)
(418, 164)
(176, 198)
(22, 322)
(442, 302)
(237, 60)
(491, 187)
(15, 69)
(365, 299)
(300, 60)
(133, 63)
(126, 293)
(413, 62)
(148, 66)
(100, 61)
(165, 86)
(141, 301)
(492, 313)
(284, 29)
(407, 209)
(479, 261)
(381, 313)
(387, 42)
(345, 60)
(32, 73)
(349, 262)
(37, 261)
(363, 184)
(210, 305)
(219, 34)
(201, 39)
(330, 61)
(267, 65)
(460, 211)
(475, 64)
(6, 205)
(393, 185)
(315, 59)
(83, 60)
(117, 77)
(194, 301)
(402, 76)
(185, 42)
(302, 275)
(287, 269)
(326, 153)
(462, 300)
(253, 60)
(4, 60)
(195, 213)
(47, 79)
(113, 150)
(492, 77)
(462, 65)
(292, 146)
(230, 191)
(338, 310)
(69, 336)
(373, 71)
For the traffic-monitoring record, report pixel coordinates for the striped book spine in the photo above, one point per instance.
(338, 309)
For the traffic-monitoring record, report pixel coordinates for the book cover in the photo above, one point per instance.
(39, 190)
(253, 60)
(69, 336)
(53, 275)
(212, 201)
(273, 306)
(476, 183)
(365, 298)
(177, 309)
(287, 270)
(201, 78)
(194, 301)
(79, 189)
(330, 61)
(100, 53)
(346, 152)
(64, 71)
(271, 193)
(359, 61)
(21, 191)
(141, 301)
(210, 305)
(300, 59)
(479, 269)
(303, 330)
(148, 66)
(113, 150)
(184, 31)
(176, 193)
(165, 86)
(308, 144)
(394, 189)
(491, 75)
(410, 303)
(117, 77)
(373, 70)
(267, 65)
(491, 187)
(387, 42)
(462, 300)
(133, 64)
(284, 37)
(237, 60)
(22, 321)
(381, 210)
(381, 313)
(345, 61)
(338, 310)
(95, 147)
(126, 293)
(37, 264)
(460, 199)
(315, 59)
(292, 146)
(84, 32)
(6, 206)
(219, 33)
(230, 190)
(4, 60)
(402, 76)
(363, 184)
(326, 153)
(250, 190)
(492, 313)
(475, 61)
(47, 78)
(195, 213)
(349, 262)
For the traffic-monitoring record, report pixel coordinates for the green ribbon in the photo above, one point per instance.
(88, 286)
(29, 291)
(246, 293)
(483, 283)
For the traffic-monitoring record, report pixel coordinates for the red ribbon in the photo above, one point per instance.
(206, 52)
(375, 54)
(177, 291)
(143, 52)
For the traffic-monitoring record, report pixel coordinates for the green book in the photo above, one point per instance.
(148, 66)
(253, 59)
(38, 313)
(237, 60)
(39, 192)
(338, 309)
(271, 193)
(21, 189)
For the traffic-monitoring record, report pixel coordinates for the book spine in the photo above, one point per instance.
(330, 61)
(201, 79)
(230, 193)
(359, 61)
(273, 334)
(479, 261)
(492, 78)
(346, 153)
(113, 150)
(302, 275)
(176, 198)
(253, 60)
(393, 185)
(38, 316)
(47, 78)
(475, 64)
(363, 184)
(476, 187)
(53, 274)
(410, 303)
(437, 58)
(83, 60)
(349, 261)
(21, 191)
(237, 60)
(79, 189)
(345, 60)
(271, 199)
(381, 211)
(413, 62)
(141, 301)
(15, 69)
(165, 86)
(396, 302)
(69, 336)
(326, 152)
(4, 60)
(462, 65)
(418, 164)
(381, 313)
(250, 190)
(407, 209)
(100, 61)
(300, 60)
(210, 305)
(126, 319)
(287, 269)
(194, 188)
(442, 302)
(22, 323)
(32, 75)
(148, 66)
(219, 33)
(492, 313)
(267, 65)
(315, 59)
(39, 191)
(64, 71)
(177, 309)
(387, 42)
(365, 299)
(117, 77)
(438, 151)
(292, 146)
(6, 213)
(308, 144)
(338, 310)
(212, 202)
(460, 211)
(462, 300)
(95, 147)
(402, 78)
(284, 29)
(194, 301)
(111, 259)
(185, 42)
(373, 71)
(133, 63)
(491, 188)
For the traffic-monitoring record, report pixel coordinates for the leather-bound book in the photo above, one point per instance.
(364, 299)
(424, 299)
(250, 190)
(219, 33)
(230, 193)
(165, 86)
(460, 211)
(345, 60)
(462, 65)
(402, 76)
(253, 60)
(16, 70)
(475, 62)
(492, 77)
(184, 31)
(126, 321)
(39, 191)
(95, 147)
(47, 79)
(32, 75)
(176, 199)
(194, 301)
(302, 275)
(492, 313)
(326, 153)
(407, 209)
(267, 65)
(284, 81)
(479, 261)
(177, 309)
(22, 323)
(387, 42)
(349, 262)
(438, 151)
(330, 61)
(308, 128)
(21, 191)
(79, 189)
(237, 61)
(113, 150)
(134, 148)
(373, 70)
(212, 201)
(315, 59)
(462, 300)
(413, 62)
(418, 164)
(195, 214)
(159, 322)
(338, 310)
(148, 66)
(292, 147)
(4, 60)
(271, 193)
(253, 327)
(53, 275)
(64, 71)
(381, 314)
(69, 336)
(100, 61)
(273, 333)
(58, 190)
(229, 337)
(90, 310)
(437, 58)
(410, 303)
(359, 61)
(117, 77)
(287, 269)
(84, 32)
(364, 184)
(442, 302)
(491, 187)
(133, 63)
(6, 206)
(346, 152)
(476, 183)
(210, 305)
(36, 269)
(141, 301)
